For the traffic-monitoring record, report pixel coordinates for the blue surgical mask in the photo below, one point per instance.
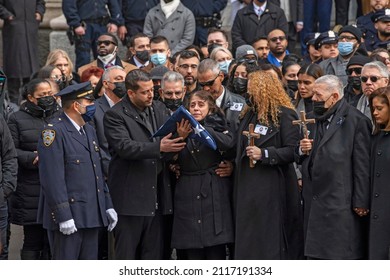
(89, 112)
(158, 59)
(224, 66)
(345, 48)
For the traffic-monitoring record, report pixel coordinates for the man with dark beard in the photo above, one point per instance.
(188, 68)
(353, 90)
(277, 42)
(381, 39)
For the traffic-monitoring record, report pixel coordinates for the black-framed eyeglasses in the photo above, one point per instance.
(208, 83)
(347, 38)
(105, 42)
(357, 70)
(373, 79)
(275, 39)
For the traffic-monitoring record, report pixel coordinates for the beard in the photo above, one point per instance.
(384, 33)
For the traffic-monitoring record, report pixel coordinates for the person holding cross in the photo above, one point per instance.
(336, 176)
(266, 196)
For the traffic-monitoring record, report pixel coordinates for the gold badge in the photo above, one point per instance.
(48, 137)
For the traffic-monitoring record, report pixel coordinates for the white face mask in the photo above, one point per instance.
(108, 58)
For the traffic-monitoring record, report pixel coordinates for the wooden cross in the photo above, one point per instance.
(303, 123)
(251, 135)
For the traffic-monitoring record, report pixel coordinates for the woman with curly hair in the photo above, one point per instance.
(266, 197)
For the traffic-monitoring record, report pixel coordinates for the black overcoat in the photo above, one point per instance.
(20, 36)
(132, 173)
(266, 197)
(202, 200)
(379, 233)
(338, 182)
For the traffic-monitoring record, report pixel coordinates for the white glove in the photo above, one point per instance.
(112, 218)
(68, 227)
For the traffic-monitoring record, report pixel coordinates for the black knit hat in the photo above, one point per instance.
(353, 30)
(358, 59)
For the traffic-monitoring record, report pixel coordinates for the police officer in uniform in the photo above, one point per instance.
(75, 202)
(381, 39)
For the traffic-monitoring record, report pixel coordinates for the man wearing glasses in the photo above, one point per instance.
(374, 75)
(107, 46)
(188, 68)
(349, 40)
(277, 42)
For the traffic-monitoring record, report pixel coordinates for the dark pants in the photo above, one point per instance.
(139, 237)
(14, 86)
(315, 13)
(87, 42)
(3, 232)
(217, 252)
(342, 8)
(35, 242)
(81, 245)
(201, 36)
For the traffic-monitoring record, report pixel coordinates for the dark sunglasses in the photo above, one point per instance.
(208, 83)
(357, 71)
(275, 39)
(106, 43)
(373, 79)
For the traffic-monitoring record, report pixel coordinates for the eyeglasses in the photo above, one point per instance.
(186, 66)
(373, 79)
(347, 38)
(105, 42)
(208, 83)
(275, 39)
(357, 71)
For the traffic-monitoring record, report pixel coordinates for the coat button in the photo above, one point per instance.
(315, 197)
(375, 217)
(152, 162)
(199, 221)
(77, 161)
(72, 200)
(152, 187)
(379, 153)
(198, 197)
(98, 190)
(97, 177)
(152, 213)
(378, 174)
(376, 194)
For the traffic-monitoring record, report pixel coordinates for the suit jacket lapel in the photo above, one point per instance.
(73, 131)
(132, 113)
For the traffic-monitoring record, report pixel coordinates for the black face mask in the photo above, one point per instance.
(142, 55)
(318, 108)
(156, 92)
(248, 99)
(46, 103)
(61, 82)
(212, 46)
(240, 85)
(120, 89)
(292, 84)
(173, 104)
(355, 82)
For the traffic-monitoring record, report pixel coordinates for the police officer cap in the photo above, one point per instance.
(158, 72)
(381, 15)
(353, 30)
(82, 90)
(328, 37)
(310, 38)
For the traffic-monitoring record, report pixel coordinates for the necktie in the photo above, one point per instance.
(146, 120)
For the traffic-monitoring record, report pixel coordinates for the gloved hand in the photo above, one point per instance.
(68, 227)
(112, 218)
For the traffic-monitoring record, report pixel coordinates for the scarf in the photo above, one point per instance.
(169, 8)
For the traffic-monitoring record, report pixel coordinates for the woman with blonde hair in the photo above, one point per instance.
(60, 59)
(224, 57)
(266, 197)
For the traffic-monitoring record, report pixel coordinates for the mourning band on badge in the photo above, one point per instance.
(48, 136)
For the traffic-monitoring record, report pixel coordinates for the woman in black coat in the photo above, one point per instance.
(202, 219)
(26, 127)
(266, 198)
(379, 230)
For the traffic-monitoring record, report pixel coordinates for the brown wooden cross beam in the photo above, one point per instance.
(251, 135)
(303, 123)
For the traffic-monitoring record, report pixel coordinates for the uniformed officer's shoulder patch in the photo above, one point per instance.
(48, 136)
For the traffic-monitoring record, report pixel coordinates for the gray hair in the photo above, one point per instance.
(208, 65)
(332, 82)
(220, 49)
(172, 76)
(106, 74)
(380, 66)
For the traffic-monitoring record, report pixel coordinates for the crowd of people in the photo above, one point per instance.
(297, 169)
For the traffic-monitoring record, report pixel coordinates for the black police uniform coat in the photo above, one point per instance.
(71, 176)
(340, 181)
(203, 212)
(20, 36)
(266, 197)
(133, 168)
(247, 25)
(379, 234)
